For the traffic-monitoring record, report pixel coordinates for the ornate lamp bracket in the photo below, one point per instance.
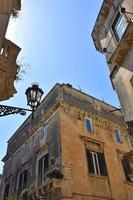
(8, 110)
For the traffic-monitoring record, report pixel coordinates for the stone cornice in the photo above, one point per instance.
(80, 114)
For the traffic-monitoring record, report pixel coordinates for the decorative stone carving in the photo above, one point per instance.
(8, 69)
(7, 5)
(80, 114)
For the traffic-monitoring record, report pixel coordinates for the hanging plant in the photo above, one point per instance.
(15, 13)
(23, 69)
(10, 197)
(24, 194)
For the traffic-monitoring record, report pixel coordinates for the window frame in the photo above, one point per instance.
(95, 167)
(119, 19)
(41, 166)
(89, 128)
(118, 136)
(23, 179)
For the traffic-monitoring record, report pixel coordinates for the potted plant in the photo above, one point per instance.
(24, 194)
(10, 197)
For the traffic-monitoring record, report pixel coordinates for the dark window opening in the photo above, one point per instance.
(126, 169)
(96, 163)
(23, 178)
(43, 166)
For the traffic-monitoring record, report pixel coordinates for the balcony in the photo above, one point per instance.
(117, 50)
(48, 190)
(8, 69)
(123, 46)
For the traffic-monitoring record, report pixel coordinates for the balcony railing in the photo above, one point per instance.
(115, 50)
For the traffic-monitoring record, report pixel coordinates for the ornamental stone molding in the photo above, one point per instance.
(8, 69)
(6, 6)
(79, 114)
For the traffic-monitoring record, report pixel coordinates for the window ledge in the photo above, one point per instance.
(98, 176)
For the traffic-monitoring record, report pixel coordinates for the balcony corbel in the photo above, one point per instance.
(8, 69)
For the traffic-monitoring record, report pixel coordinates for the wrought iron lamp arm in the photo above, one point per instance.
(8, 110)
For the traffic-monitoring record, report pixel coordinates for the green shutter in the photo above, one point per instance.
(90, 162)
(102, 164)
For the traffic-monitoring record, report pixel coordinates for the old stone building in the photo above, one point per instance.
(113, 36)
(73, 148)
(8, 50)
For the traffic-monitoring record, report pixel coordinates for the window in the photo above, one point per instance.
(126, 168)
(23, 178)
(45, 130)
(43, 166)
(6, 191)
(89, 125)
(119, 26)
(118, 136)
(96, 163)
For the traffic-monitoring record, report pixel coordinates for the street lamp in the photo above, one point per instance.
(33, 93)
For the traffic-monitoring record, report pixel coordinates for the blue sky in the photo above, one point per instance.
(55, 37)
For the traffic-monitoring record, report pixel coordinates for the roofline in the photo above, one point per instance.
(61, 85)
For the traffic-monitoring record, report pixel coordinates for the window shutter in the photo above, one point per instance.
(89, 125)
(46, 162)
(20, 180)
(102, 164)
(40, 166)
(125, 165)
(25, 177)
(90, 162)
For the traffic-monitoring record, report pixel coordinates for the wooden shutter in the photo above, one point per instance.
(90, 162)
(40, 167)
(25, 178)
(46, 162)
(126, 167)
(102, 164)
(20, 180)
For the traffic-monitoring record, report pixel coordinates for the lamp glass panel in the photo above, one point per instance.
(33, 95)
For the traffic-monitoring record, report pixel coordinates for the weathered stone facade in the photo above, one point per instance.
(118, 51)
(113, 36)
(59, 135)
